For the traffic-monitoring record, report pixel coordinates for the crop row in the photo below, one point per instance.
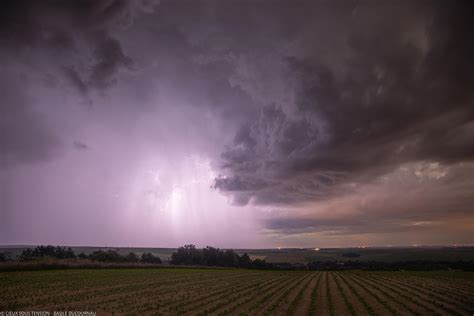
(233, 291)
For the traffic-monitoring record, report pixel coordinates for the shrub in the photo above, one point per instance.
(82, 256)
(131, 257)
(107, 256)
(149, 258)
(47, 251)
(210, 256)
(351, 255)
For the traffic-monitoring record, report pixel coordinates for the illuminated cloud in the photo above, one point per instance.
(237, 123)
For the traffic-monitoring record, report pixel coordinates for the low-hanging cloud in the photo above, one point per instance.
(382, 108)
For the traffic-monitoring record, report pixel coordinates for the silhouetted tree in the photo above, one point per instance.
(82, 256)
(47, 251)
(107, 256)
(351, 255)
(149, 258)
(245, 261)
(188, 254)
(210, 256)
(131, 257)
(231, 259)
(260, 264)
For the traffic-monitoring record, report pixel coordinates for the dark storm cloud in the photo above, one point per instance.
(24, 134)
(64, 32)
(110, 58)
(335, 117)
(67, 41)
(393, 100)
(415, 197)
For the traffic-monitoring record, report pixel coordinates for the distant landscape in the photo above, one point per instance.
(376, 258)
(300, 255)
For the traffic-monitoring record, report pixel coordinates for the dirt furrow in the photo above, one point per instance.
(441, 291)
(430, 296)
(252, 302)
(270, 301)
(368, 308)
(229, 303)
(304, 305)
(314, 295)
(337, 297)
(443, 284)
(379, 295)
(82, 297)
(413, 298)
(206, 294)
(295, 298)
(349, 302)
(324, 307)
(126, 297)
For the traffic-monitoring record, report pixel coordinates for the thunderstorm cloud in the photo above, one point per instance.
(236, 123)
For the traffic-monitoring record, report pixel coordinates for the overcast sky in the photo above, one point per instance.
(236, 123)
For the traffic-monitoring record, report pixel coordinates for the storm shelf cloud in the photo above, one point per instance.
(250, 124)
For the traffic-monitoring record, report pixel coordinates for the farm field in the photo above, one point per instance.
(222, 292)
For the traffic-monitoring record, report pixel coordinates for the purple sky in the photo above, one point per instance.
(236, 123)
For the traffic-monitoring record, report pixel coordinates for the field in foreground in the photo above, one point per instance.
(220, 291)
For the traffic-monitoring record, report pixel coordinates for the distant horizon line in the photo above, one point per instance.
(265, 248)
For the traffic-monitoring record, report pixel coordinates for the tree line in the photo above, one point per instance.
(98, 255)
(186, 255)
(47, 251)
(210, 256)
